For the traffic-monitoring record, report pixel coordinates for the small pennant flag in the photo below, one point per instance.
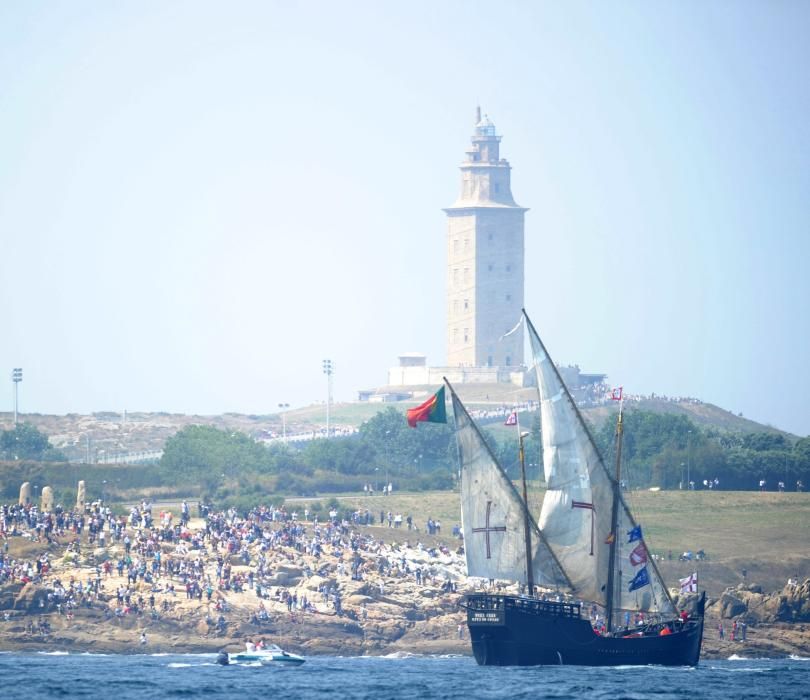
(516, 328)
(638, 555)
(689, 584)
(512, 419)
(610, 539)
(634, 534)
(641, 579)
(616, 394)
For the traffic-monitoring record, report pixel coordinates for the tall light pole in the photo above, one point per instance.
(282, 408)
(328, 370)
(16, 377)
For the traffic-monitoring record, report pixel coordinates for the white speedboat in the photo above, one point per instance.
(271, 654)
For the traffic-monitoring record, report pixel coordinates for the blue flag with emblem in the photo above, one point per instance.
(641, 579)
(634, 534)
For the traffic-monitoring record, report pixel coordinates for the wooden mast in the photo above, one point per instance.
(614, 518)
(526, 530)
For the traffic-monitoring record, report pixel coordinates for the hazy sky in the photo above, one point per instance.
(199, 202)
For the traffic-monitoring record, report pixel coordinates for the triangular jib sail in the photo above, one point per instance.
(576, 514)
(493, 514)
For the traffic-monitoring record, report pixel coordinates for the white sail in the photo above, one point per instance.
(492, 514)
(576, 514)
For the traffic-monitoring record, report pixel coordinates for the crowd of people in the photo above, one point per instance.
(146, 563)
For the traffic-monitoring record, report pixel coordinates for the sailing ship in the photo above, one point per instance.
(583, 554)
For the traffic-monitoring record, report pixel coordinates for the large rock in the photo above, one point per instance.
(286, 575)
(731, 605)
(313, 583)
(359, 600)
(25, 493)
(791, 604)
(81, 496)
(29, 597)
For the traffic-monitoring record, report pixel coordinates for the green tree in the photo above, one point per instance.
(26, 442)
(404, 449)
(801, 453)
(765, 442)
(348, 455)
(206, 456)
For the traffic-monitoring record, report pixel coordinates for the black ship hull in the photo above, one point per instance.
(516, 631)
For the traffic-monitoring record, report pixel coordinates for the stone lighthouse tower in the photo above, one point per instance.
(484, 259)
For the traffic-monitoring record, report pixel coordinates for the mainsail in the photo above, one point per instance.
(575, 517)
(493, 515)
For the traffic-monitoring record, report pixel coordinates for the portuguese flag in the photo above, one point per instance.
(432, 411)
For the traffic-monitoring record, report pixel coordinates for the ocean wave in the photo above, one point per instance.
(796, 657)
(54, 653)
(180, 664)
(401, 655)
(737, 657)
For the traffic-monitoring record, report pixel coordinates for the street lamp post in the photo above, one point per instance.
(16, 377)
(282, 408)
(328, 370)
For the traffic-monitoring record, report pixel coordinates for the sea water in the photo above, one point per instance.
(398, 677)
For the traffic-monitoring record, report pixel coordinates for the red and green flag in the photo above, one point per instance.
(432, 411)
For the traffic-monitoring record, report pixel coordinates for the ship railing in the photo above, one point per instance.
(527, 605)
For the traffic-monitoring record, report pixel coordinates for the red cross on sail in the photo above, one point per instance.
(488, 528)
(587, 506)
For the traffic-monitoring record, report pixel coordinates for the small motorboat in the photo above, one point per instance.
(271, 654)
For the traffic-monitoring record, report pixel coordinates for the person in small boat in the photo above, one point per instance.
(250, 647)
(261, 644)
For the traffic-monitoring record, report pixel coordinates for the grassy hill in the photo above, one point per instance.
(767, 535)
(102, 434)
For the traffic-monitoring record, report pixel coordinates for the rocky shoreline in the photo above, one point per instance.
(380, 609)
